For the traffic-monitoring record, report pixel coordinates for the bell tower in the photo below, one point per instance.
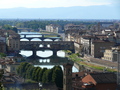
(67, 76)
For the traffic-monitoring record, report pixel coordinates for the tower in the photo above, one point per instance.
(67, 76)
(118, 71)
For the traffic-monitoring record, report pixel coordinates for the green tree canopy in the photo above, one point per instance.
(2, 55)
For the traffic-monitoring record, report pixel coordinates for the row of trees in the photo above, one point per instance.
(8, 27)
(54, 75)
(35, 24)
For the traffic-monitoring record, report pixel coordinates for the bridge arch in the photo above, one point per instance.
(44, 60)
(57, 40)
(36, 39)
(45, 53)
(47, 39)
(41, 45)
(60, 53)
(24, 39)
(24, 53)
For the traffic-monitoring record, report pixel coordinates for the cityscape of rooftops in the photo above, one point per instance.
(59, 45)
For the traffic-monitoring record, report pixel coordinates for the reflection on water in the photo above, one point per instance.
(44, 60)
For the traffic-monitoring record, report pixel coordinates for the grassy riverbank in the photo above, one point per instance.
(82, 61)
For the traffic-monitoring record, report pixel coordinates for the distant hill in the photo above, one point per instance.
(77, 12)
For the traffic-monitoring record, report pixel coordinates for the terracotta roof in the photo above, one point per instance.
(104, 77)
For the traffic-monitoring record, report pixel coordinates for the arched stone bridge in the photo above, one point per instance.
(42, 37)
(47, 45)
(51, 45)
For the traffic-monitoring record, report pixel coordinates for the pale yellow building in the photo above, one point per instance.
(108, 55)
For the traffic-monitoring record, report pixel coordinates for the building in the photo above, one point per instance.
(2, 47)
(104, 25)
(77, 80)
(100, 81)
(74, 27)
(12, 68)
(111, 54)
(13, 41)
(115, 51)
(78, 47)
(86, 42)
(8, 64)
(108, 55)
(107, 31)
(2, 42)
(98, 47)
(54, 28)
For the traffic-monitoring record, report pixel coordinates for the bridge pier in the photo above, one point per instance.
(34, 53)
(42, 36)
(54, 52)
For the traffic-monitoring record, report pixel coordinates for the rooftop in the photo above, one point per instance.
(104, 77)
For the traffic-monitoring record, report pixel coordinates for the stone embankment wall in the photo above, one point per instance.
(79, 67)
(85, 68)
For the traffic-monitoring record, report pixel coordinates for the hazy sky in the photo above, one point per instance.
(54, 3)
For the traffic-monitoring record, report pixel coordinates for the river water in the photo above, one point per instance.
(44, 54)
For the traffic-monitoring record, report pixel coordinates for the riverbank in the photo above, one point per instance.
(83, 63)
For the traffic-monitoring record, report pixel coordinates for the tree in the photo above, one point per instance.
(29, 72)
(15, 29)
(47, 76)
(41, 74)
(21, 70)
(37, 74)
(7, 27)
(34, 73)
(44, 77)
(57, 76)
(2, 55)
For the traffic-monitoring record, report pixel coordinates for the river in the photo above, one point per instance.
(45, 53)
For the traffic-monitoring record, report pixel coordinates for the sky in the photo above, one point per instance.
(54, 3)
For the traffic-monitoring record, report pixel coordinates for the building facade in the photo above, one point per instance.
(108, 55)
(13, 41)
(54, 28)
(98, 47)
(2, 47)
